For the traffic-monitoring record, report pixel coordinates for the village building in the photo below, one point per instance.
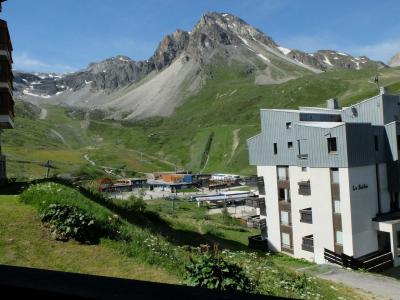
(331, 178)
(6, 89)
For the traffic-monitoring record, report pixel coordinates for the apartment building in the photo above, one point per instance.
(331, 177)
(6, 88)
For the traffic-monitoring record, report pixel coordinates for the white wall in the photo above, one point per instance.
(272, 205)
(300, 202)
(321, 202)
(359, 206)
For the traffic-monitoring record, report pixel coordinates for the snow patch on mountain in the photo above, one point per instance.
(284, 50)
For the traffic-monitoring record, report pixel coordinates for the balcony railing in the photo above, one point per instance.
(308, 243)
(6, 120)
(304, 188)
(306, 215)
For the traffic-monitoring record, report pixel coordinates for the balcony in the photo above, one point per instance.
(6, 121)
(6, 54)
(8, 85)
(308, 243)
(306, 216)
(304, 188)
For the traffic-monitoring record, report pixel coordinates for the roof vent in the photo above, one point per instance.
(332, 103)
(383, 90)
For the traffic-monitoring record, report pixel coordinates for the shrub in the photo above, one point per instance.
(68, 222)
(214, 272)
(136, 205)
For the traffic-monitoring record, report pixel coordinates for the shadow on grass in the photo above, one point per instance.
(14, 188)
(148, 219)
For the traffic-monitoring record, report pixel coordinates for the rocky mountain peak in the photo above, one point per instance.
(395, 60)
(169, 48)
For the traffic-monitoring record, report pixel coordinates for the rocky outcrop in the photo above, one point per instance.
(395, 60)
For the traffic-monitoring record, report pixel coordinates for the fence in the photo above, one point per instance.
(373, 262)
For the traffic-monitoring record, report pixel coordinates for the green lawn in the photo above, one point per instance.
(25, 242)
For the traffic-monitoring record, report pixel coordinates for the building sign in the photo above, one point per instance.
(360, 187)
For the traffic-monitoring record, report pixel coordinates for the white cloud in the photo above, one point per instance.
(25, 62)
(383, 50)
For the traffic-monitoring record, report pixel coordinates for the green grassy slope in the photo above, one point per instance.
(156, 244)
(228, 105)
(25, 242)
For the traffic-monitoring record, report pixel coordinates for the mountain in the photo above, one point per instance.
(395, 60)
(179, 68)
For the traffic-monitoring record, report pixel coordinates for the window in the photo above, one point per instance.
(336, 206)
(284, 217)
(275, 148)
(288, 125)
(335, 175)
(332, 146)
(398, 142)
(290, 145)
(285, 240)
(282, 173)
(339, 237)
(376, 141)
(284, 195)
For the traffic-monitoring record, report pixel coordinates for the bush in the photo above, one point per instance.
(68, 222)
(214, 272)
(134, 205)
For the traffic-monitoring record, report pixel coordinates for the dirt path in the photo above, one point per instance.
(235, 142)
(43, 114)
(59, 135)
(87, 158)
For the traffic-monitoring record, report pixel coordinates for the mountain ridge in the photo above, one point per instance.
(178, 68)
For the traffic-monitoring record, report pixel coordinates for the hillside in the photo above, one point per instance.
(155, 244)
(228, 106)
(25, 242)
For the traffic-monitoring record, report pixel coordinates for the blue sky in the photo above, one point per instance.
(63, 36)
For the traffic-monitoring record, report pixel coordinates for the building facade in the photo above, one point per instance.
(331, 178)
(6, 89)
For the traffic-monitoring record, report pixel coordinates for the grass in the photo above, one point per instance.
(228, 105)
(25, 242)
(161, 241)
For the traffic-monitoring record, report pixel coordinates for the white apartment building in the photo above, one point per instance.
(331, 178)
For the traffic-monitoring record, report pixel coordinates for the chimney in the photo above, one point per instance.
(383, 90)
(332, 103)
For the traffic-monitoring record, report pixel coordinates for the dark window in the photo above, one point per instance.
(376, 140)
(398, 142)
(284, 194)
(290, 144)
(275, 148)
(332, 146)
(288, 125)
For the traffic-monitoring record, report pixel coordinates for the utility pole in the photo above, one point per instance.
(49, 166)
(376, 80)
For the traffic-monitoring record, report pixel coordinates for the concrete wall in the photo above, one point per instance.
(300, 202)
(272, 204)
(359, 235)
(322, 212)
